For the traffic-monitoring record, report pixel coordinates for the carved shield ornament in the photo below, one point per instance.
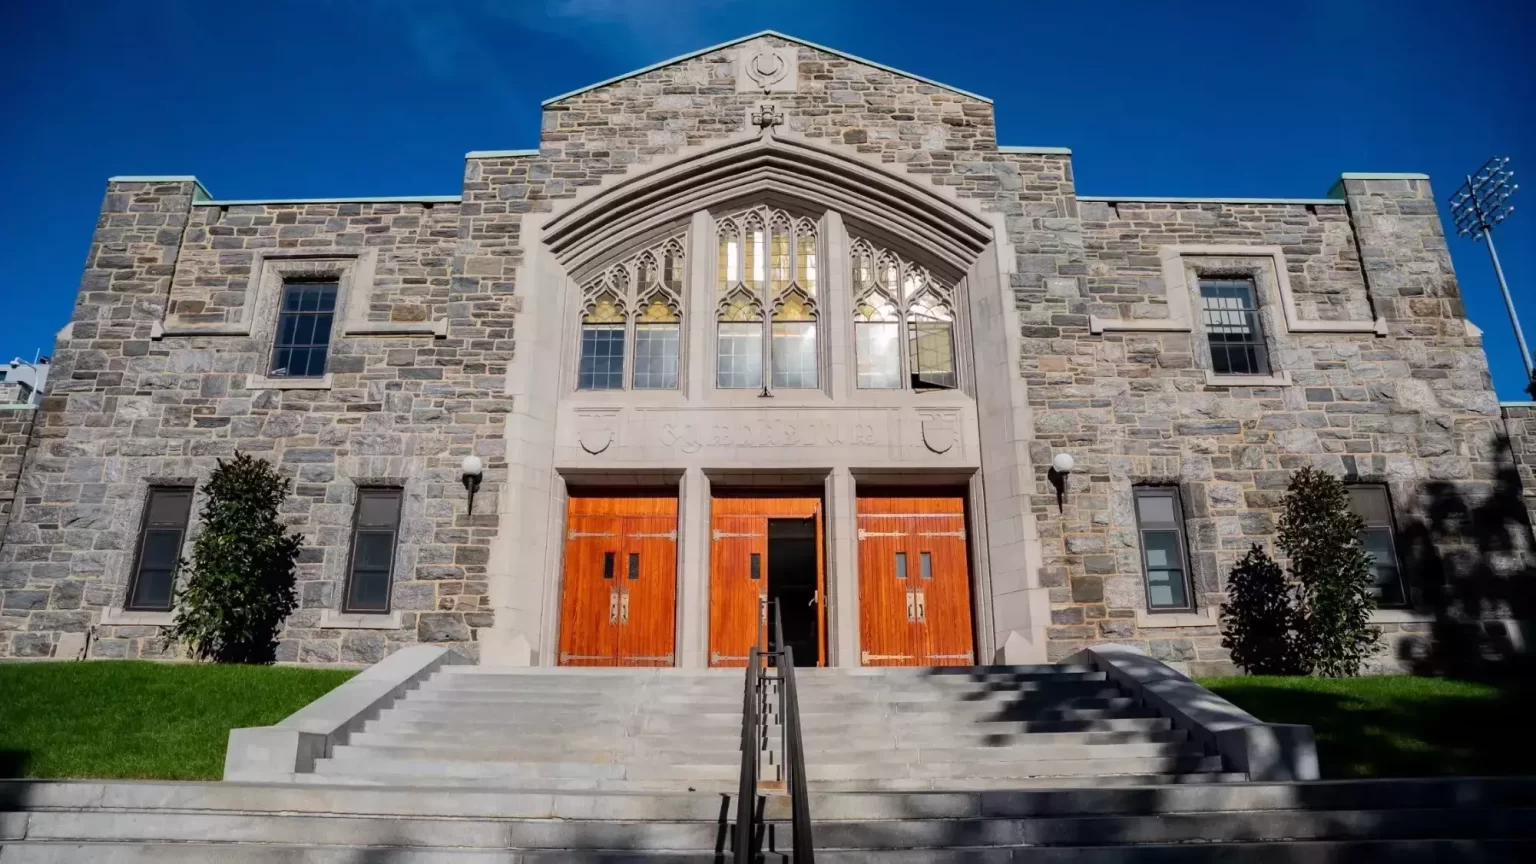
(940, 429)
(766, 68)
(595, 430)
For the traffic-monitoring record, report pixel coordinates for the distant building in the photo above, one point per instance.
(23, 383)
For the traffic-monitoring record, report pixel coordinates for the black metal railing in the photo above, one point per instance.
(754, 731)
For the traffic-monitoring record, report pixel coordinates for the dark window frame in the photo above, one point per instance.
(358, 529)
(1179, 526)
(130, 600)
(280, 345)
(1390, 526)
(1258, 342)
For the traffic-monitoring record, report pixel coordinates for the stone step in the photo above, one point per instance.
(1051, 718)
(430, 784)
(530, 720)
(1000, 785)
(1278, 852)
(449, 751)
(1004, 769)
(606, 672)
(492, 733)
(974, 673)
(348, 762)
(1099, 698)
(872, 835)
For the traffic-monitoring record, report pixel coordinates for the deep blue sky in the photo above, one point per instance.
(329, 98)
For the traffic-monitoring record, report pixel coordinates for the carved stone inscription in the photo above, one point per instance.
(687, 437)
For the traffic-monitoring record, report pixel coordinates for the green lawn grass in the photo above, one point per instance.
(132, 719)
(1398, 726)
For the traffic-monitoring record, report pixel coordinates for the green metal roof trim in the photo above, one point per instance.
(199, 194)
(387, 199)
(702, 51)
(1037, 151)
(1517, 404)
(497, 154)
(1154, 199)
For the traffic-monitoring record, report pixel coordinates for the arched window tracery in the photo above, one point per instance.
(643, 292)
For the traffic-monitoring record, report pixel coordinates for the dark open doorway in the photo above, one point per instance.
(792, 581)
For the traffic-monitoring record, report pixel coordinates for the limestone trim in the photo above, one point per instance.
(117, 617)
(1210, 617)
(330, 619)
(200, 192)
(1181, 267)
(354, 271)
(264, 382)
(748, 38)
(782, 166)
(1279, 379)
(1401, 616)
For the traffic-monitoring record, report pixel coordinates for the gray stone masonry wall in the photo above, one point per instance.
(1413, 408)
(15, 432)
(1520, 421)
(127, 409)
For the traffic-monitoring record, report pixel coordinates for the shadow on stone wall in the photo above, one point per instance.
(1470, 563)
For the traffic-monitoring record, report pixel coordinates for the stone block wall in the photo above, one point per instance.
(15, 434)
(132, 405)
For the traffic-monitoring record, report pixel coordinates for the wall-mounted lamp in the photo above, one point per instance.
(472, 469)
(1061, 465)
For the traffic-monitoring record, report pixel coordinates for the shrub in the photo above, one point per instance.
(1260, 619)
(240, 585)
(1321, 537)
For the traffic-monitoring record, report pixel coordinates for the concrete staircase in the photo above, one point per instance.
(1001, 764)
(988, 728)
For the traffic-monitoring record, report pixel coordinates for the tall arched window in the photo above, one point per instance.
(892, 295)
(767, 305)
(646, 290)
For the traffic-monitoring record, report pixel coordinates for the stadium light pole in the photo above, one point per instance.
(1481, 203)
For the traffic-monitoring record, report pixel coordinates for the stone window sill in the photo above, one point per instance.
(333, 620)
(262, 382)
(1400, 616)
(1154, 620)
(398, 328)
(130, 618)
(1279, 379)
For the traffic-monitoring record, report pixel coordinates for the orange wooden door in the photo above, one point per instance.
(738, 587)
(738, 574)
(648, 596)
(618, 602)
(914, 583)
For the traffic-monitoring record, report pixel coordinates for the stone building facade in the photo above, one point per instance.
(1075, 326)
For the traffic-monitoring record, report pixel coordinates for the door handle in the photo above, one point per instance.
(922, 605)
(762, 607)
(613, 607)
(624, 608)
(815, 597)
(911, 605)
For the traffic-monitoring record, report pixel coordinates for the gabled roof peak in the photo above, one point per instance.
(749, 37)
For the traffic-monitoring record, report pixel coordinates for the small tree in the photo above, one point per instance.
(1321, 537)
(1260, 620)
(240, 585)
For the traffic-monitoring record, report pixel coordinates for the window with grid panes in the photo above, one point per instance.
(304, 330)
(375, 526)
(642, 294)
(1374, 507)
(893, 295)
(1164, 560)
(767, 301)
(1230, 312)
(158, 556)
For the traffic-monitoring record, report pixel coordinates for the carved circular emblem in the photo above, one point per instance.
(765, 68)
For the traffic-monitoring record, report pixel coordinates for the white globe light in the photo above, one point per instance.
(472, 465)
(1063, 463)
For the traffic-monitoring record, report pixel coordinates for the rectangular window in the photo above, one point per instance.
(602, 357)
(931, 351)
(901, 565)
(166, 510)
(656, 353)
(1232, 328)
(375, 526)
(876, 349)
(794, 355)
(1164, 562)
(1372, 504)
(740, 356)
(304, 330)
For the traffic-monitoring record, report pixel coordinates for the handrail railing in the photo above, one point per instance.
(753, 732)
(794, 749)
(751, 738)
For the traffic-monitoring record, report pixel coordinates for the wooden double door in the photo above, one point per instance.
(914, 583)
(762, 549)
(618, 602)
